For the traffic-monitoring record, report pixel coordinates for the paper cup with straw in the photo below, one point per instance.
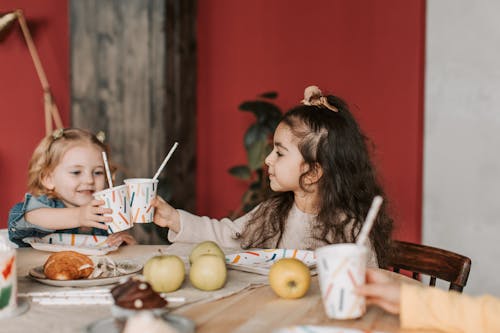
(116, 199)
(141, 191)
(341, 268)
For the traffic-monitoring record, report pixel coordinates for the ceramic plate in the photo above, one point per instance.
(128, 267)
(320, 329)
(261, 261)
(109, 325)
(86, 244)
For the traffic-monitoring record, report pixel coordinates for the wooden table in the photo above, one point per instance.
(254, 310)
(260, 310)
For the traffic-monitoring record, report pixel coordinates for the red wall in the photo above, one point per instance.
(21, 101)
(370, 54)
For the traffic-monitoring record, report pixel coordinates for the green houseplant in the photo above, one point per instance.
(258, 143)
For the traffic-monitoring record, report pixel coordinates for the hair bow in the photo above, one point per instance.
(313, 96)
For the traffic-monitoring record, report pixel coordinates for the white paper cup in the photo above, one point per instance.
(141, 191)
(342, 267)
(8, 280)
(116, 199)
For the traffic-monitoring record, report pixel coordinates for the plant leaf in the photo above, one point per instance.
(263, 111)
(240, 171)
(257, 154)
(269, 95)
(255, 133)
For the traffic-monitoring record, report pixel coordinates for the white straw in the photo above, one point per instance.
(106, 166)
(370, 218)
(165, 160)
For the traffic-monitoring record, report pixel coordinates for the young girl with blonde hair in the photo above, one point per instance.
(323, 180)
(65, 169)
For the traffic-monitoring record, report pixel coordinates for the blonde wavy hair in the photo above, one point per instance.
(49, 152)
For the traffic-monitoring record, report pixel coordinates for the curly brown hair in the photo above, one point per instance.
(334, 141)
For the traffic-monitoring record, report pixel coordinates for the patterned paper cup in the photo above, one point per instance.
(342, 267)
(141, 191)
(116, 199)
(8, 279)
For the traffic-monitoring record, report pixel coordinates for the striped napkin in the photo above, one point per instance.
(81, 297)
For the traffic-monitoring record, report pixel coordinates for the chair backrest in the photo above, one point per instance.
(436, 263)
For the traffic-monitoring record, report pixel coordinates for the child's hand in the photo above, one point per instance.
(381, 290)
(92, 214)
(165, 215)
(118, 238)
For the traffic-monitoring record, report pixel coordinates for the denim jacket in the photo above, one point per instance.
(19, 228)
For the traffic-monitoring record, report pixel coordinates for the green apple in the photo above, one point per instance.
(165, 273)
(206, 247)
(208, 272)
(289, 278)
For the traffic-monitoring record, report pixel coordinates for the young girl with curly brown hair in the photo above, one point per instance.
(323, 183)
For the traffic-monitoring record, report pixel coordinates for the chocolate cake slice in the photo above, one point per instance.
(137, 295)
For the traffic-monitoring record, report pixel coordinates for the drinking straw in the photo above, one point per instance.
(370, 218)
(165, 160)
(106, 166)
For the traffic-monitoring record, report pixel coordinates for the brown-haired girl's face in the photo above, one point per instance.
(285, 161)
(79, 174)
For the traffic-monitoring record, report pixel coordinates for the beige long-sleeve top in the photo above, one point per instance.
(297, 233)
(432, 308)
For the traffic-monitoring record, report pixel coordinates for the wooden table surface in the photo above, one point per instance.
(254, 310)
(260, 310)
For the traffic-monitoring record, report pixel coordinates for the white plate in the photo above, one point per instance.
(130, 267)
(109, 325)
(320, 329)
(261, 261)
(86, 244)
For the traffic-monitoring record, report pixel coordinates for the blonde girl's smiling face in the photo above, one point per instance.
(78, 175)
(285, 161)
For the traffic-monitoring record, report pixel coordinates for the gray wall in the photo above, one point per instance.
(462, 135)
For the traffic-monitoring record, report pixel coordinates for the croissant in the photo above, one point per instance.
(68, 265)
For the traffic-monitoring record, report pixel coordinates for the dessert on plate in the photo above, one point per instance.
(135, 295)
(147, 322)
(68, 265)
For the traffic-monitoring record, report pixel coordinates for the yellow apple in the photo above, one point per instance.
(165, 273)
(289, 278)
(208, 272)
(206, 247)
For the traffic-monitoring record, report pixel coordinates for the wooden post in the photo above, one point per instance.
(133, 66)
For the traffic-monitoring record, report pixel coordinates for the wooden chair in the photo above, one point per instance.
(436, 263)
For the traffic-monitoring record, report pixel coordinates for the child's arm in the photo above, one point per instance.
(382, 290)
(66, 218)
(165, 215)
(186, 227)
(121, 237)
(431, 308)
(448, 311)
